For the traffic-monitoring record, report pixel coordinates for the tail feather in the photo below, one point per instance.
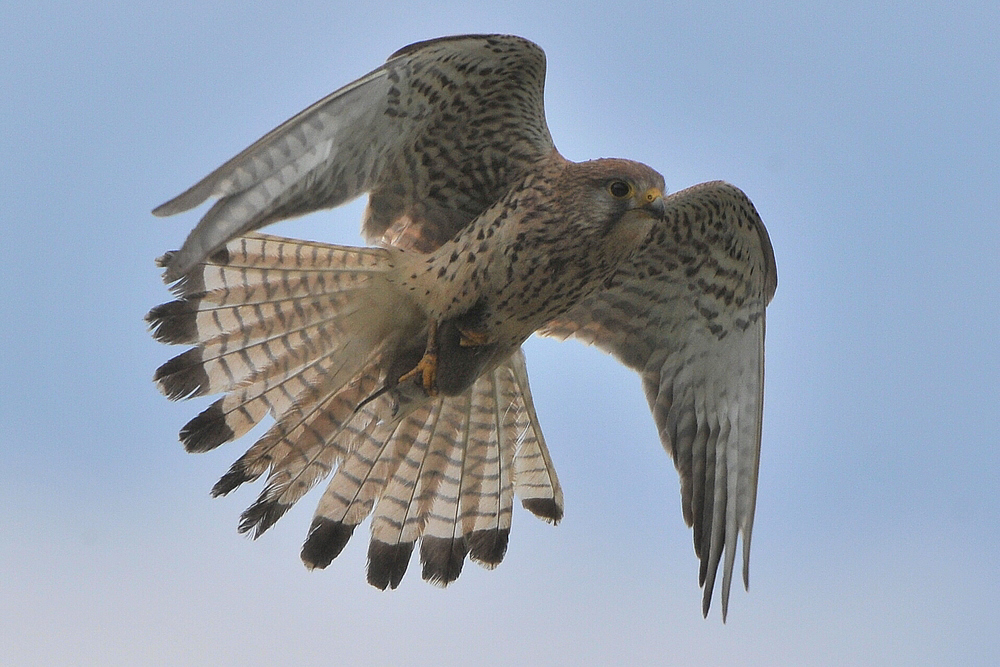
(203, 317)
(488, 501)
(241, 263)
(236, 348)
(444, 474)
(275, 389)
(248, 342)
(282, 326)
(304, 446)
(535, 481)
(398, 521)
(378, 449)
(296, 414)
(356, 487)
(442, 546)
(307, 333)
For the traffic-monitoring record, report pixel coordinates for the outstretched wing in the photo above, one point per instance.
(688, 315)
(436, 135)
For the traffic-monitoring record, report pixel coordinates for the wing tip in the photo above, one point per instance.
(172, 275)
(166, 209)
(188, 199)
(416, 46)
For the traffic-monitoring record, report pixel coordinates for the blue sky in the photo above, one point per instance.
(867, 136)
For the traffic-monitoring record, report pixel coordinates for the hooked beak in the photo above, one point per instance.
(652, 201)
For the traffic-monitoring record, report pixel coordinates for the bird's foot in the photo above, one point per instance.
(472, 337)
(426, 373)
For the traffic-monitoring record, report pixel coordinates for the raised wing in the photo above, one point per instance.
(688, 315)
(436, 135)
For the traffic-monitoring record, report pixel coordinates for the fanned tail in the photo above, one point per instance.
(446, 475)
(311, 334)
(284, 327)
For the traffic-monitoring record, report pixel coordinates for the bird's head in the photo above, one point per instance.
(620, 200)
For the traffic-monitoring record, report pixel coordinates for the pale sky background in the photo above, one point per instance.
(867, 136)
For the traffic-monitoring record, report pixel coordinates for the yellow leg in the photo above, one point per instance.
(472, 338)
(426, 368)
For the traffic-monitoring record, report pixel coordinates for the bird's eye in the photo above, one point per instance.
(619, 189)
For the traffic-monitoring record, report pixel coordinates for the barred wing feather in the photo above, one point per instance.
(436, 135)
(688, 315)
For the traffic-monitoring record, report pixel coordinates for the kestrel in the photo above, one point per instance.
(398, 369)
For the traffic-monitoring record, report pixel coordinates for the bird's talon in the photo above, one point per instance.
(426, 373)
(472, 337)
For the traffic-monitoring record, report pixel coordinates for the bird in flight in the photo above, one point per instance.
(396, 369)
